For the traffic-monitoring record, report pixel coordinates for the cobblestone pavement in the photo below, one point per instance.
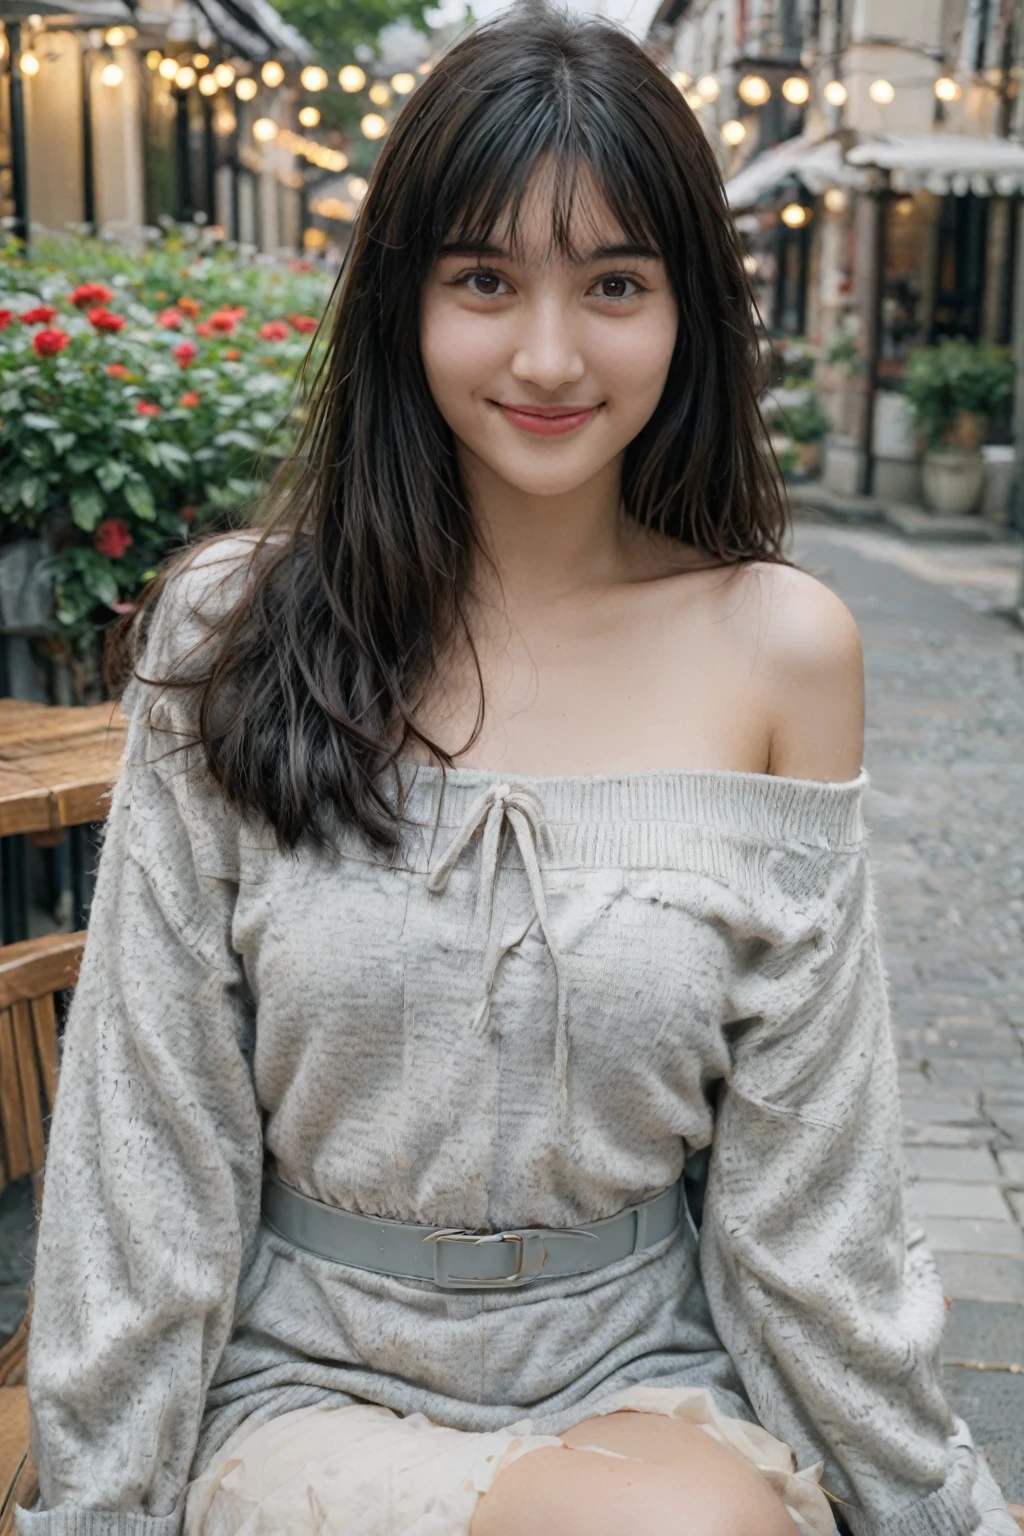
(945, 751)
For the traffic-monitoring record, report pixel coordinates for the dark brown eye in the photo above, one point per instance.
(484, 283)
(617, 286)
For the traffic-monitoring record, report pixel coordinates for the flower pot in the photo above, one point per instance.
(809, 458)
(967, 431)
(952, 480)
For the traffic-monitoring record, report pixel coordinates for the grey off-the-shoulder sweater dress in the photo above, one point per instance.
(558, 991)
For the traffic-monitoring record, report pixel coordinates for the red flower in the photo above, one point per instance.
(113, 537)
(116, 371)
(91, 293)
(204, 328)
(146, 408)
(49, 343)
(187, 514)
(274, 330)
(190, 307)
(41, 315)
(223, 321)
(6, 316)
(105, 320)
(232, 354)
(300, 266)
(170, 319)
(189, 398)
(304, 324)
(184, 353)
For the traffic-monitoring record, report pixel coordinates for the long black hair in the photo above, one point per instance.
(310, 683)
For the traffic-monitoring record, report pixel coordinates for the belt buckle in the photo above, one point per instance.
(529, 1262)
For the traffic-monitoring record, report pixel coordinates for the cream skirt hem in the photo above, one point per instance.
(362, 1470)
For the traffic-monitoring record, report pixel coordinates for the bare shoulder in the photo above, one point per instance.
(809, 660)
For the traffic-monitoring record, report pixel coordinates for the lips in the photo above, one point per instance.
(547, 420)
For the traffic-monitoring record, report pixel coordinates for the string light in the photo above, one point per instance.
(115, 37)
(694, 100)
(272, 73)
(358, 187)
(225, 121)
(224, 75)
(796, 90)
(208, 85)
(882, 92)
(309, 117)
(379, 94)
(754, 90)
(373, 126)
(795, 215)
(835, 93)
(28, 64)
(836, 200)
(947, 89)
(351, 78)
(318, 154)
(201, 60)
(314, 78)
(111, 74)
(733, 131)
(167, 68)
(153, 58)
(246, 88)
(264, 129)
(403, 83)
(185, 77)
(707, 88)
(681, 80)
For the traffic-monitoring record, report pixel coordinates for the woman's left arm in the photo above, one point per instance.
(833, 1319)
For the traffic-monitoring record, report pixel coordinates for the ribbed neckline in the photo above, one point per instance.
(758, 805)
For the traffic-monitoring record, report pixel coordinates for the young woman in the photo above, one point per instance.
(488, 857)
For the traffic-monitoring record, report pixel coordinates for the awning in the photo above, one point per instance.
(814, 161)
(937, 162)
(944, 162)
(254, 28)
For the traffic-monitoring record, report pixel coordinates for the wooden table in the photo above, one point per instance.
(57, 766)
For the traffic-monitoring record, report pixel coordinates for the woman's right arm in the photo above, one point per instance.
(154, 1166)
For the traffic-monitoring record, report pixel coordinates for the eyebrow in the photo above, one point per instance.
(626, 251)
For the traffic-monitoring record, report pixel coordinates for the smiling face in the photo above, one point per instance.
(547, 365)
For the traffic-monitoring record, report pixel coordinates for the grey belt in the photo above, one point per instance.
(452, 1258)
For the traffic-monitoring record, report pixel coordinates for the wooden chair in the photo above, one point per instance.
(30, 974)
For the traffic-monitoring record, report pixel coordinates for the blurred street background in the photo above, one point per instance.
(178, 184)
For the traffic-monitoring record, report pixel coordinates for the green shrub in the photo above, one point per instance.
(956, 376)
(142, 399)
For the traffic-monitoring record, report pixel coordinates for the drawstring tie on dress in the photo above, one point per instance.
(520, 807)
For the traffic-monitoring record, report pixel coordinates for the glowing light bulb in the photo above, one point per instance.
(111, 74)
(153, 58)
(947, 89)
(403, 83)
(358, 187)
(733, 131)
(796, 90)
(882, 92)
(185, 77)
(835, 93)
(754, 90)
(836, 200)
(681, 80)
(200, 60)
(29, 64)
(115, 37)
(795, 215)
(272, 73)
(314, 78)
(224, 75)
(373, 126)
(167, 69)
(208, 85)
(246, 88)
(707, 88)
(351, 78)
(309, 117)
(379, 94)
(264, 129)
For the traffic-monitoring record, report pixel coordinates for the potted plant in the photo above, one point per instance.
(953, 391)
(807, 425)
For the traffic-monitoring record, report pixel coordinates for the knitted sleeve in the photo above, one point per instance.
(154, 1166)
(833, 1320)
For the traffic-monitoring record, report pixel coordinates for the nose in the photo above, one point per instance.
(547, 354)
